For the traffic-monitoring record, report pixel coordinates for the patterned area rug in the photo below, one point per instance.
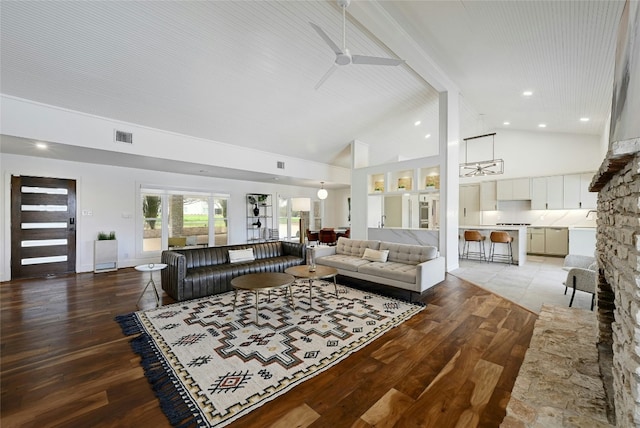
(209, 365)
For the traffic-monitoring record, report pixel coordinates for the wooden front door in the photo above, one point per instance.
(43, 226)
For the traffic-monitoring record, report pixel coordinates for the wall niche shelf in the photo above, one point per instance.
(419, 180)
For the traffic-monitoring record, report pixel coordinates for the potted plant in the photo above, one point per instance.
(105, 252)
(104, 236)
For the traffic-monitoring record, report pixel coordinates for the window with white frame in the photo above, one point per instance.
(179, 219)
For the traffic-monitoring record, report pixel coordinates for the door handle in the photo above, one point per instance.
(72, 220)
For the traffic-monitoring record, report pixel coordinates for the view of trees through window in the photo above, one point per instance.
(188, 220)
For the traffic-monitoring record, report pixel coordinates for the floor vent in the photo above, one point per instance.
(280, 165)
(124, 137)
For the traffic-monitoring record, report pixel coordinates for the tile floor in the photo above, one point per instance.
(536, 283)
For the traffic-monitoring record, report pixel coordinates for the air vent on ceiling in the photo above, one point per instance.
(280, 165)
(124, 137)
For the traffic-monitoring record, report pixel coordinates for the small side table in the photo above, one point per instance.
(151, 268)
(320, 272)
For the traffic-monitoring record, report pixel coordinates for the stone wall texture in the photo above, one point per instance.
(618, 248)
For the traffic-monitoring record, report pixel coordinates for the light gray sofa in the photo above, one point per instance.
(411, 267)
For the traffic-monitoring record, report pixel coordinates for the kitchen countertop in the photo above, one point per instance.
(493, 227)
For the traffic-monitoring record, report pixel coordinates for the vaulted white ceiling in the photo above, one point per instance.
(244, 72)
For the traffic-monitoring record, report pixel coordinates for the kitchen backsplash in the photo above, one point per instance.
(521, 212)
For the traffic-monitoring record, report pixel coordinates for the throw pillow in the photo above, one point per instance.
(237, 256)
(375, 255)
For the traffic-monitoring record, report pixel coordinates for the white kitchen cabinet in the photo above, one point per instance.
(374, 211)
(410, 211)
(539, 193)
(517, 189)
(547, 193)
(588, 200)
(576, 192)
(488, 197)
(571, 199)
(556, 241)
(469, 213)
(522, 189)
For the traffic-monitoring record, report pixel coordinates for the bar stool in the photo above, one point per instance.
(501, 237)
(474, 236)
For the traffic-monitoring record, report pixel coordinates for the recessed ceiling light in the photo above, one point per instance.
(584, 119)
(506, 123)
(427, 136)
(527, 93)
(542, 125)
(417, 123)
(41, 146)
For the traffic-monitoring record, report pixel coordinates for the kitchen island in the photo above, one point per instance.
(405, 236)
(519, 244)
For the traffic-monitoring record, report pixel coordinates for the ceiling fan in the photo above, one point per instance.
(343, 56)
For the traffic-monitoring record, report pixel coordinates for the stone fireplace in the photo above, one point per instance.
(618, 237)
(618, 252)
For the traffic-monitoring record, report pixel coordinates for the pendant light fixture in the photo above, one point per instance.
(322, 193)
(479, 168)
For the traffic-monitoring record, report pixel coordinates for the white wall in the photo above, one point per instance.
(534, 154)
(42, 122)
(336, 208)
(111, 194)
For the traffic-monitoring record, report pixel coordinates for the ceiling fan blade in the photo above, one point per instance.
(327, 39)
(326, 75)
(375, 60)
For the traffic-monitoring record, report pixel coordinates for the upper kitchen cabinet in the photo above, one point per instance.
(517, 189)
(576, 192)
(488, 197)
(547, 193)
(469, 214)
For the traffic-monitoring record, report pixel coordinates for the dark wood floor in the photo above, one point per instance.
(66, 363)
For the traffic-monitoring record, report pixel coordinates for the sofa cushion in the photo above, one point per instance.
(236, 256)
(342, 261)
(375, 255)
(391, 270)
(355, 247)
(411, 254)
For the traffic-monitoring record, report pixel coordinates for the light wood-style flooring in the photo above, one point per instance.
(65, 362)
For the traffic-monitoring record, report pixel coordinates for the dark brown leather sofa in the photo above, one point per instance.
(200, 272)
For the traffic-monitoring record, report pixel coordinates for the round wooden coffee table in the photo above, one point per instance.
(263, 281)
(321, 272)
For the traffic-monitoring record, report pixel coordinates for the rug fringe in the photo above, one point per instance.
(166, 386)
(129, 324)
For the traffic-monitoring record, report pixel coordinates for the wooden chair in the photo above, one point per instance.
(312, 236)
(327, 236)
(345, 234)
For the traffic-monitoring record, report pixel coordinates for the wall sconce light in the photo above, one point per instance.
(322, 193)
